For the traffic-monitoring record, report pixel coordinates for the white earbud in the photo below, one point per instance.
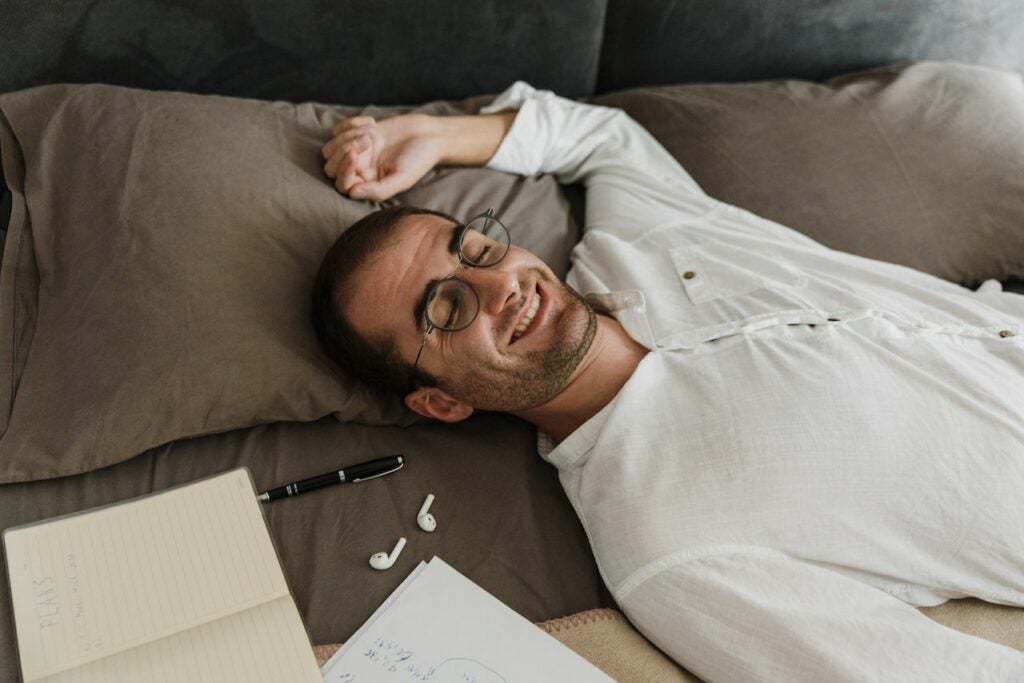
(424, 518)
(382, 561)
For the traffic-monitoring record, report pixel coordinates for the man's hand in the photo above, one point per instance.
(376, 160)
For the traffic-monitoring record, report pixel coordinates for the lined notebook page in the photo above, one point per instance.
(93, 585)
(263, 643)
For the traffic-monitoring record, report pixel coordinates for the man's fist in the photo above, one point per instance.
(376, 160)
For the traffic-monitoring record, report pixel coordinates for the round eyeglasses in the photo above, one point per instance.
(452, 303)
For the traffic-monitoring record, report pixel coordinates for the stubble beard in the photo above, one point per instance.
(542, 374)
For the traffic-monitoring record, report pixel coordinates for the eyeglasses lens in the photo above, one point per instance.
(453, 306)
(484, 242)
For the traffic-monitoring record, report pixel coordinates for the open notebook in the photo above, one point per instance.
(183, 584)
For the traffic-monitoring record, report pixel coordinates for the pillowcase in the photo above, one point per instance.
(920, 165)
(159, 261)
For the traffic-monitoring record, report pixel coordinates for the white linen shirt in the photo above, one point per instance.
(815, 443)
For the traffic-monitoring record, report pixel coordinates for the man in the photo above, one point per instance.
(777, 450)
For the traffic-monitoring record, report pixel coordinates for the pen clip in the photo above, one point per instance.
(379, 474)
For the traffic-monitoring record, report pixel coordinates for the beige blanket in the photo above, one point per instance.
(606, 638)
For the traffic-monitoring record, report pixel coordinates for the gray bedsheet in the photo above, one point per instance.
(502, 517)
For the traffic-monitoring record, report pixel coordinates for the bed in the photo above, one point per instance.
(165, 211)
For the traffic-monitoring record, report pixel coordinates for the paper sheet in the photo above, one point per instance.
(439, 626)
(136, 577)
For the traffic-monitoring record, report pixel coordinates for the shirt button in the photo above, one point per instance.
(689, 275)
(1006, 333)
(833, 320)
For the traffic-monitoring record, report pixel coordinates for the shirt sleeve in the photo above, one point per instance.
(754, 617)
(629, 177)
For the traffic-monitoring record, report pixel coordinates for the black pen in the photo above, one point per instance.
(353, 474)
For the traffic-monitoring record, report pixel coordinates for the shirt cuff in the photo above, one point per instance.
(516, 154)
(512, 98)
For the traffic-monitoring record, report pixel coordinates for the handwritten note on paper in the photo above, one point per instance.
(393, 658)
(439, 626)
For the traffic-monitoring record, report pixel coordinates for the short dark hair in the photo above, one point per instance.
(373, 360)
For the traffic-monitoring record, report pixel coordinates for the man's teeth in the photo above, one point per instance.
(527, 319)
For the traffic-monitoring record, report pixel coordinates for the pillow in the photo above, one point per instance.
(158, 265)
(922, 165)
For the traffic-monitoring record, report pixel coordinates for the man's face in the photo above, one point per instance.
(489, 364)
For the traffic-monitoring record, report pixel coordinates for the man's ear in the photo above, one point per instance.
(435, 403)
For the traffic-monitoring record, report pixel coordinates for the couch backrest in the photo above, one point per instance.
(406, 51)
(649, 42)
(338, 51)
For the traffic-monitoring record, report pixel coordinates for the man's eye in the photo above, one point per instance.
(478, 249)
(483, 255)
(453, 314)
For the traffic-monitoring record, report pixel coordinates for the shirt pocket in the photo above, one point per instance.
(713, 271)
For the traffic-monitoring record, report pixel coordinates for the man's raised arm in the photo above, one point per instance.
(525, 131)
(370, 159)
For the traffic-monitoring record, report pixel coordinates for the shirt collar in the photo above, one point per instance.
(629, 307)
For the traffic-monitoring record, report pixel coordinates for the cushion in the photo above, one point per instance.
(386, 51)
(1002, 624)
(159, 261)
(651, 42)
(922, 165)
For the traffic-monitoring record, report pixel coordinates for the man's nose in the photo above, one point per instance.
(497, 288)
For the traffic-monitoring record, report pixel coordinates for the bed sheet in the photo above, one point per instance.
(503, 519)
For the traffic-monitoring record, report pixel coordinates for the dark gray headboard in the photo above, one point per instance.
(410, 51)
(339, 51)
(651, 42)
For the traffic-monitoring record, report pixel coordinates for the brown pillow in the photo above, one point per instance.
(157, 270)
(920, 165)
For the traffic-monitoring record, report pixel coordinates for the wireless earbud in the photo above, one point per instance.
(424, 518)
(382, 561)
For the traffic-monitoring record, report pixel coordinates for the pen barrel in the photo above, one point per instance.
(371, 469)
(365, 470)
(314, 483)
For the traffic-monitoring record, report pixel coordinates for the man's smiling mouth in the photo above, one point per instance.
(527, 319)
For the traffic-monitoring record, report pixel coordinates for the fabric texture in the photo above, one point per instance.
(349, 52)
(502, 518)
(922, 166)
(999, 623)
(816, 442)
(605, 639)
(159, 263)
(650, 42)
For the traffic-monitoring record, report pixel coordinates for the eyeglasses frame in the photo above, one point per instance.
(463, 261)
